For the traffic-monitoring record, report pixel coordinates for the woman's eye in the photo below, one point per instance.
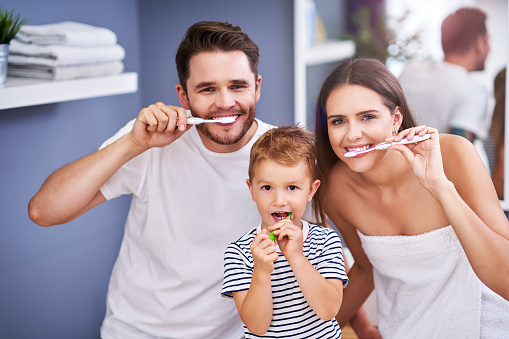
(338, 121)
(368, 117)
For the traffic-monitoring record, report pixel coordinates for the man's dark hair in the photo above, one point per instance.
(213, 36)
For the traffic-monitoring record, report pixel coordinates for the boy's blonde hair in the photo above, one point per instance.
(285, 145)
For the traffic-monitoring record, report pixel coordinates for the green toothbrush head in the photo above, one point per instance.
(271, 234)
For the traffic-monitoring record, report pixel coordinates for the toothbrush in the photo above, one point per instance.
(271, 234)
(387, 145)
(197, 121)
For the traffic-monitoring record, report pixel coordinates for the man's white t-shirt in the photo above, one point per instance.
(188, 204)
(444, 95)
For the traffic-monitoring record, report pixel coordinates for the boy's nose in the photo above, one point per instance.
(279, 199)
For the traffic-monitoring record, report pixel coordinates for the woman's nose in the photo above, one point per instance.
(354, 132)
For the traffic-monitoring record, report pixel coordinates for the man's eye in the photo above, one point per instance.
(266, 188)
(208, 89)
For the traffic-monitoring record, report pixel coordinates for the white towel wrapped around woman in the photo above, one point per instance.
(426, 288)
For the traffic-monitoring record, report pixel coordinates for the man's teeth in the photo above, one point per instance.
(229, 116)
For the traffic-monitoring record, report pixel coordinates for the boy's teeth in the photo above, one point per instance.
(280, 215)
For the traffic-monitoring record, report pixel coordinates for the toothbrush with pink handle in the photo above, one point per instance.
(387, 145)
(271, 234)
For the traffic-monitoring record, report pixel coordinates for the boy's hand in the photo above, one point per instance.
(264, 252)
(288, 237)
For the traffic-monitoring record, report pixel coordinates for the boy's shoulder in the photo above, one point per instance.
(245, 239)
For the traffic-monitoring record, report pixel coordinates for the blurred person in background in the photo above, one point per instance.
(444, 94)
(497, 133)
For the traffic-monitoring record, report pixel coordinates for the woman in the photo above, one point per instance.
(419, 219)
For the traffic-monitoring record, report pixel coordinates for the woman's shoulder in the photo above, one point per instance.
(456, 148)
(459, 156)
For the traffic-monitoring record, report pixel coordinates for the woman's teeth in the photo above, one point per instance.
(358, 149)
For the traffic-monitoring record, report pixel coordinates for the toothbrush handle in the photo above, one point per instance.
(194, 121)
(415, 140)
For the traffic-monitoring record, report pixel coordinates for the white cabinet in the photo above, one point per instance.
(21, 92)
(305, 56)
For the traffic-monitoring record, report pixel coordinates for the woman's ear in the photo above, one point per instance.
(397, 119)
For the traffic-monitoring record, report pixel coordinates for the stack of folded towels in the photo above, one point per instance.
(64, 50)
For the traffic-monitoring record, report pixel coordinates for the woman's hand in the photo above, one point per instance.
(424, 157)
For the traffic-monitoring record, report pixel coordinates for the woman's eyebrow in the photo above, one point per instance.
(357, 114)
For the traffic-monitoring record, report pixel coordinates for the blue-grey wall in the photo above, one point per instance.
(53, 280)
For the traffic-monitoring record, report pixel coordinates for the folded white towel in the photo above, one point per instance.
(59, 55)
(68, 33)
(64, 72)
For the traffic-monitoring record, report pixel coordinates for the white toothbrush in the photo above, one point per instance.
(197, 121)
(387, 145)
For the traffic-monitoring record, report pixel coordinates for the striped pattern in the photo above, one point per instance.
(292, 316)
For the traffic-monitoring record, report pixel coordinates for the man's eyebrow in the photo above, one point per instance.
(204, 84)
(240, 82)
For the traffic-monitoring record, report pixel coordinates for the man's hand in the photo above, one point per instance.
(159, 125)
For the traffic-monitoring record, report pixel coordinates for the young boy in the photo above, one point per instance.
(291, 287)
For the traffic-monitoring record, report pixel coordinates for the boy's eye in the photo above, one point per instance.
(266, 188)
(292, 188)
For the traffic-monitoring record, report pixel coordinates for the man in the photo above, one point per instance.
(189, 198)
(443, 94)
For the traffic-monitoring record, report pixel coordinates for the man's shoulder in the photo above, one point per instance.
(262, 127)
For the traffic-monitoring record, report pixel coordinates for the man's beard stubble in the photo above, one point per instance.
(228, 139)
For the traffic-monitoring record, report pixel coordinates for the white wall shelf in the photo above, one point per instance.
(304, 56)
(329, 51)
(22, 92)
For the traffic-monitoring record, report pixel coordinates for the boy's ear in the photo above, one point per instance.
(312, 190)
(250, 189)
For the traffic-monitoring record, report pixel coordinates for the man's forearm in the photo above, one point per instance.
(69, 190)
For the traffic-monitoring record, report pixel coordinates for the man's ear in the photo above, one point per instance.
(250, 189)
(312, 190)
(184, 100)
